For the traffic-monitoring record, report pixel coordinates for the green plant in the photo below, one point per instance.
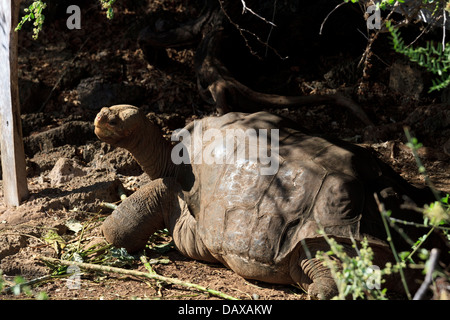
(433, 57)
(108, 6)
(2, 281)
(382, 4)
(437, 213)
(21, 286)
(34, 12)
(356, 277)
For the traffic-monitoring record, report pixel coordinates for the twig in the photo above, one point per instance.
(122, 194)
(272, 26)
(367, 52)
(245, 8)
(23, 234)
(28, 283)
(419, 244)
(83, 230)
(147, 265)
(400, 231)
(96, 267)
(415, 224)
(328, 15)
(150, 270)
(246, 40)
(108, 205)
(434, 256)
(444, 30)
(391, 244)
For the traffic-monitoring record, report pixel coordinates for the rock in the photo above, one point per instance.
(118, 160)
(95, 93)
(74, 133)
(11, 244)
(65, 170)
(45, 161)
(33, 122)
(406, 80)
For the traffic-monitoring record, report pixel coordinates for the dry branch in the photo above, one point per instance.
(96, 267)
(434, 258)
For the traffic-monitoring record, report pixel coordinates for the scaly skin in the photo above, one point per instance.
(125, 126)
(153, 207)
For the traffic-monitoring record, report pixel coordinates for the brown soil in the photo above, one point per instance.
(70, 172)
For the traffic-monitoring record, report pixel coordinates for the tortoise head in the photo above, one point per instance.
(119, 125)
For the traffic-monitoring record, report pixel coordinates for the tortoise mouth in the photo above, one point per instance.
(111, 135)
(105, 132)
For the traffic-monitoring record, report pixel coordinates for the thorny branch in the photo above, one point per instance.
(243, 31)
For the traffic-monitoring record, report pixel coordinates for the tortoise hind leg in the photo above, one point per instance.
(311, 273)
(317, 280)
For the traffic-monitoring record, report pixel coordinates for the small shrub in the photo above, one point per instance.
(356, 277)
(34, 12)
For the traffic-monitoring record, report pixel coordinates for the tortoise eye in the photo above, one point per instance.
(113, 122)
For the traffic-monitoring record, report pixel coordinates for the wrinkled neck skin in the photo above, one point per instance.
(152, 151)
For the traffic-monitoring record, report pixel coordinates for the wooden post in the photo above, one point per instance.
(13, 157)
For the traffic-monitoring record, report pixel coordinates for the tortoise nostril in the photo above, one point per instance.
(100, 118)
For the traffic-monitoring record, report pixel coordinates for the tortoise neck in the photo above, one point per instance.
(152, 151)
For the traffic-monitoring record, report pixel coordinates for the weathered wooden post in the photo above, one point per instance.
(13, 157)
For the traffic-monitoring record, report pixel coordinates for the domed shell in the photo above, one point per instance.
(246, 213)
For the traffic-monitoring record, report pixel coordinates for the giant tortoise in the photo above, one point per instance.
(259, 218)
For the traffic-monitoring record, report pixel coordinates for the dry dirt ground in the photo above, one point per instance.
(67, 75)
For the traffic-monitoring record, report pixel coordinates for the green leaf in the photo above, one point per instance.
(404, 254)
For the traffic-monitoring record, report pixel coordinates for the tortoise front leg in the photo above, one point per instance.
(155, 206)
(141, 214)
